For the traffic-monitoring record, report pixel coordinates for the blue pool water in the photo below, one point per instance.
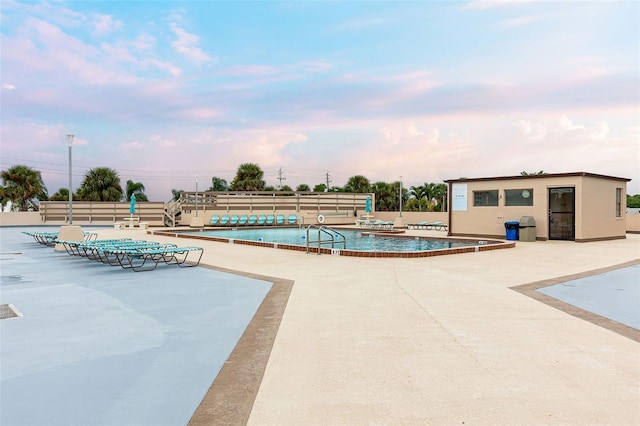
(355, 240)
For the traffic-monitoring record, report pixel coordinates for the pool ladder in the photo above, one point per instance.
(326, 236)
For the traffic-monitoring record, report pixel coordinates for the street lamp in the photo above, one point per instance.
(70, 141)
(400, 195)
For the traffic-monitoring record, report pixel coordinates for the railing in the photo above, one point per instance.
(90, 212)
(171, 210)
(320, 202)
(329, 233)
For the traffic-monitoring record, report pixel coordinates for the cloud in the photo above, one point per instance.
(186, 44)
(104, 25)
(520, 21)
(490, 4)
(8, 86)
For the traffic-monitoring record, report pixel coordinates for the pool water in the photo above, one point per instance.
(355, 240)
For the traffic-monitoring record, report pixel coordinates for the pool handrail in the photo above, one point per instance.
(332, 233)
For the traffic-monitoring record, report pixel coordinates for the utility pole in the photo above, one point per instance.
(326, 189)
(70, 141)
(280, 178)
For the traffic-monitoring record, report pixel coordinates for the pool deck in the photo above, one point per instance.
(440, 340)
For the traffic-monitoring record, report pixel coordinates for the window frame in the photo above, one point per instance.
(487, 198)
(509, 194)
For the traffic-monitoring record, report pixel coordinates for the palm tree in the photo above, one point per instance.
(137, 189)
(321, 187)
(21, 185)
(249, 177)
(285, 188)
(419, 194)
(176, 193)
(101, 184)
(218, 184)
(358, 184)
(440, 194)
(386, 197)
(303, 187)
(61, 195)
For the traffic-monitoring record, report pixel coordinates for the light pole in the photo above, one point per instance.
(400, 195)
(196, 195)
(70, 141)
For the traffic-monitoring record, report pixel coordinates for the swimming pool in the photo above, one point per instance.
(358, 243)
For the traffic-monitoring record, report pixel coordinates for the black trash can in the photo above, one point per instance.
(512, 230)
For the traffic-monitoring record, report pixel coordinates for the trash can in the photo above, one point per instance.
(512, 230)
(527, 228)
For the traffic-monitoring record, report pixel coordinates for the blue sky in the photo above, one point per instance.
(164, 91)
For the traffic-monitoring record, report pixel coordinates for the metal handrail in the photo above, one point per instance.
(332, 233)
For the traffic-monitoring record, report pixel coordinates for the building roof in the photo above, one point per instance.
(542, 176)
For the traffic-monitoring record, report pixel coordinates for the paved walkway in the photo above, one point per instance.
(443, 340)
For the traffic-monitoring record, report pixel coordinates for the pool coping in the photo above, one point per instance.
(530, 290)
(230, 398)
(481, 244)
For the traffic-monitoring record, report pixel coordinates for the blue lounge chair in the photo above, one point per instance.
(234, 220)
(225, 220)
(418, 225)
(215, 220)
(262, 219)
(280, 219)
(270, 219)
(437, 226)
(292, 220)
(252, 219)
(243, 220)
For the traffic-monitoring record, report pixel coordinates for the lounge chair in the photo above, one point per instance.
(134, 254)
(51, 238)
(224, 221)
(280, 219)
(262, 219)
(252, 219)
(418, 225)
(243, 220)
(437, 226)
(234, 220)
(270, 219)
(215, 220)
(292, 219)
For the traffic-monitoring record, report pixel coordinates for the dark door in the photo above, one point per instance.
(562, 217)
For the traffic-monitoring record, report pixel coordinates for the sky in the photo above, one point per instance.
(173, 93)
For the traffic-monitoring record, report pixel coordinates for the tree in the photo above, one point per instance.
(633, 201)
(22, 185)
(100, 184)
(137, 189)
(249, 177)
(419, 194)
(321, 187)
(218, 184)
(440, 195)
(358, 184)
(176, 193)
(541, 172)
(386, 197)
(285, 188)
(303, 187)
(61, 195)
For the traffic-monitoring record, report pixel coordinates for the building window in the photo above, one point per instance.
(618, 202)
(518, 197)
(485, 198)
